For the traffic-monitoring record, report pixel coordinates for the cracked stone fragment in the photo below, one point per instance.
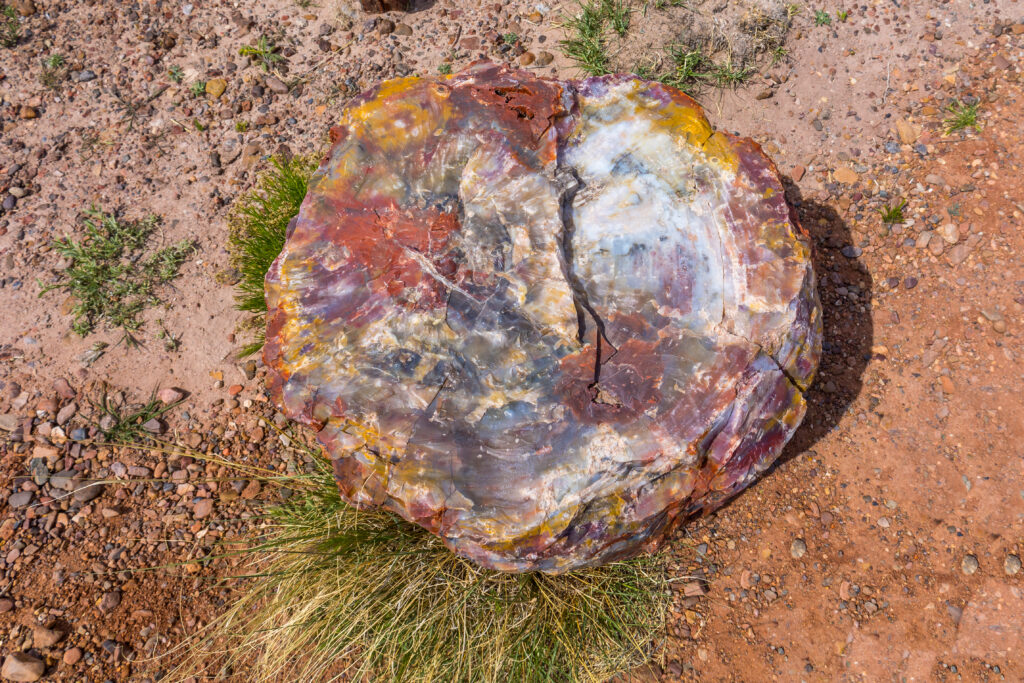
(546, 320)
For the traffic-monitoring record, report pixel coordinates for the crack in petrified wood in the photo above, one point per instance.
(570, 184)
(546, 321)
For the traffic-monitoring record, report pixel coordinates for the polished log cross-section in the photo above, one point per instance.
(546, 320)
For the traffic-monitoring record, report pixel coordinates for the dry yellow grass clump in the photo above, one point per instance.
(331, 592)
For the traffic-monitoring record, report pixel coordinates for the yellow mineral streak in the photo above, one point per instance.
(398, 117)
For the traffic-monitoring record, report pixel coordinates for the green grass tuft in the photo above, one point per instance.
(10, 26)
(585, 43)
(54, 71)
(689, 68)
(332, 593)
(822, 18)
(893, 214)
(692, 69)
(726, 75)
(962, 116)
(176, 73)
(618, 15)
(445, 69)
(259, 222)
(109, 275)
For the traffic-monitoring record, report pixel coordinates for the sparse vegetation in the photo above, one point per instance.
(962, 116)
(618, 14)
(176, 73)
(258, 222)
(842, 15)
(198, 88)
(727, 75)
(264, 52)
(122, 422)
(584, 42)
(692, 69)
(892, 214)
(54, 71)
(170, 340)
(445, 69)
(822, 18)
(700, 57)
(10, 26)
(510, 38)
(241, 125)
(331, 592)
(109, 276)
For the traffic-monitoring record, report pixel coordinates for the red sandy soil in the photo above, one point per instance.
(885, 545)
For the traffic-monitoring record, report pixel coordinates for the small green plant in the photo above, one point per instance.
(793, 9)
(584, 42)
(962, 116)
(726, 75)
(258, 223)
(842, 15)
(892, 214)
(779, 53)
(176, 73)
(109, 276)
(241, 125)
(122, 422)
(690, 68)
(198, 88)
(617, 13)
(693, 69)
(171, 342)
(199, 125)
(510, 38)
(822, 18)
(54, 71)
(445, 69)
(10, 26)
(263, 52)
(330, 592)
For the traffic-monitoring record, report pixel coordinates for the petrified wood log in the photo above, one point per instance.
(544, 320)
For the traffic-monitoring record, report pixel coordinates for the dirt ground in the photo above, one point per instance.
(885, 544)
